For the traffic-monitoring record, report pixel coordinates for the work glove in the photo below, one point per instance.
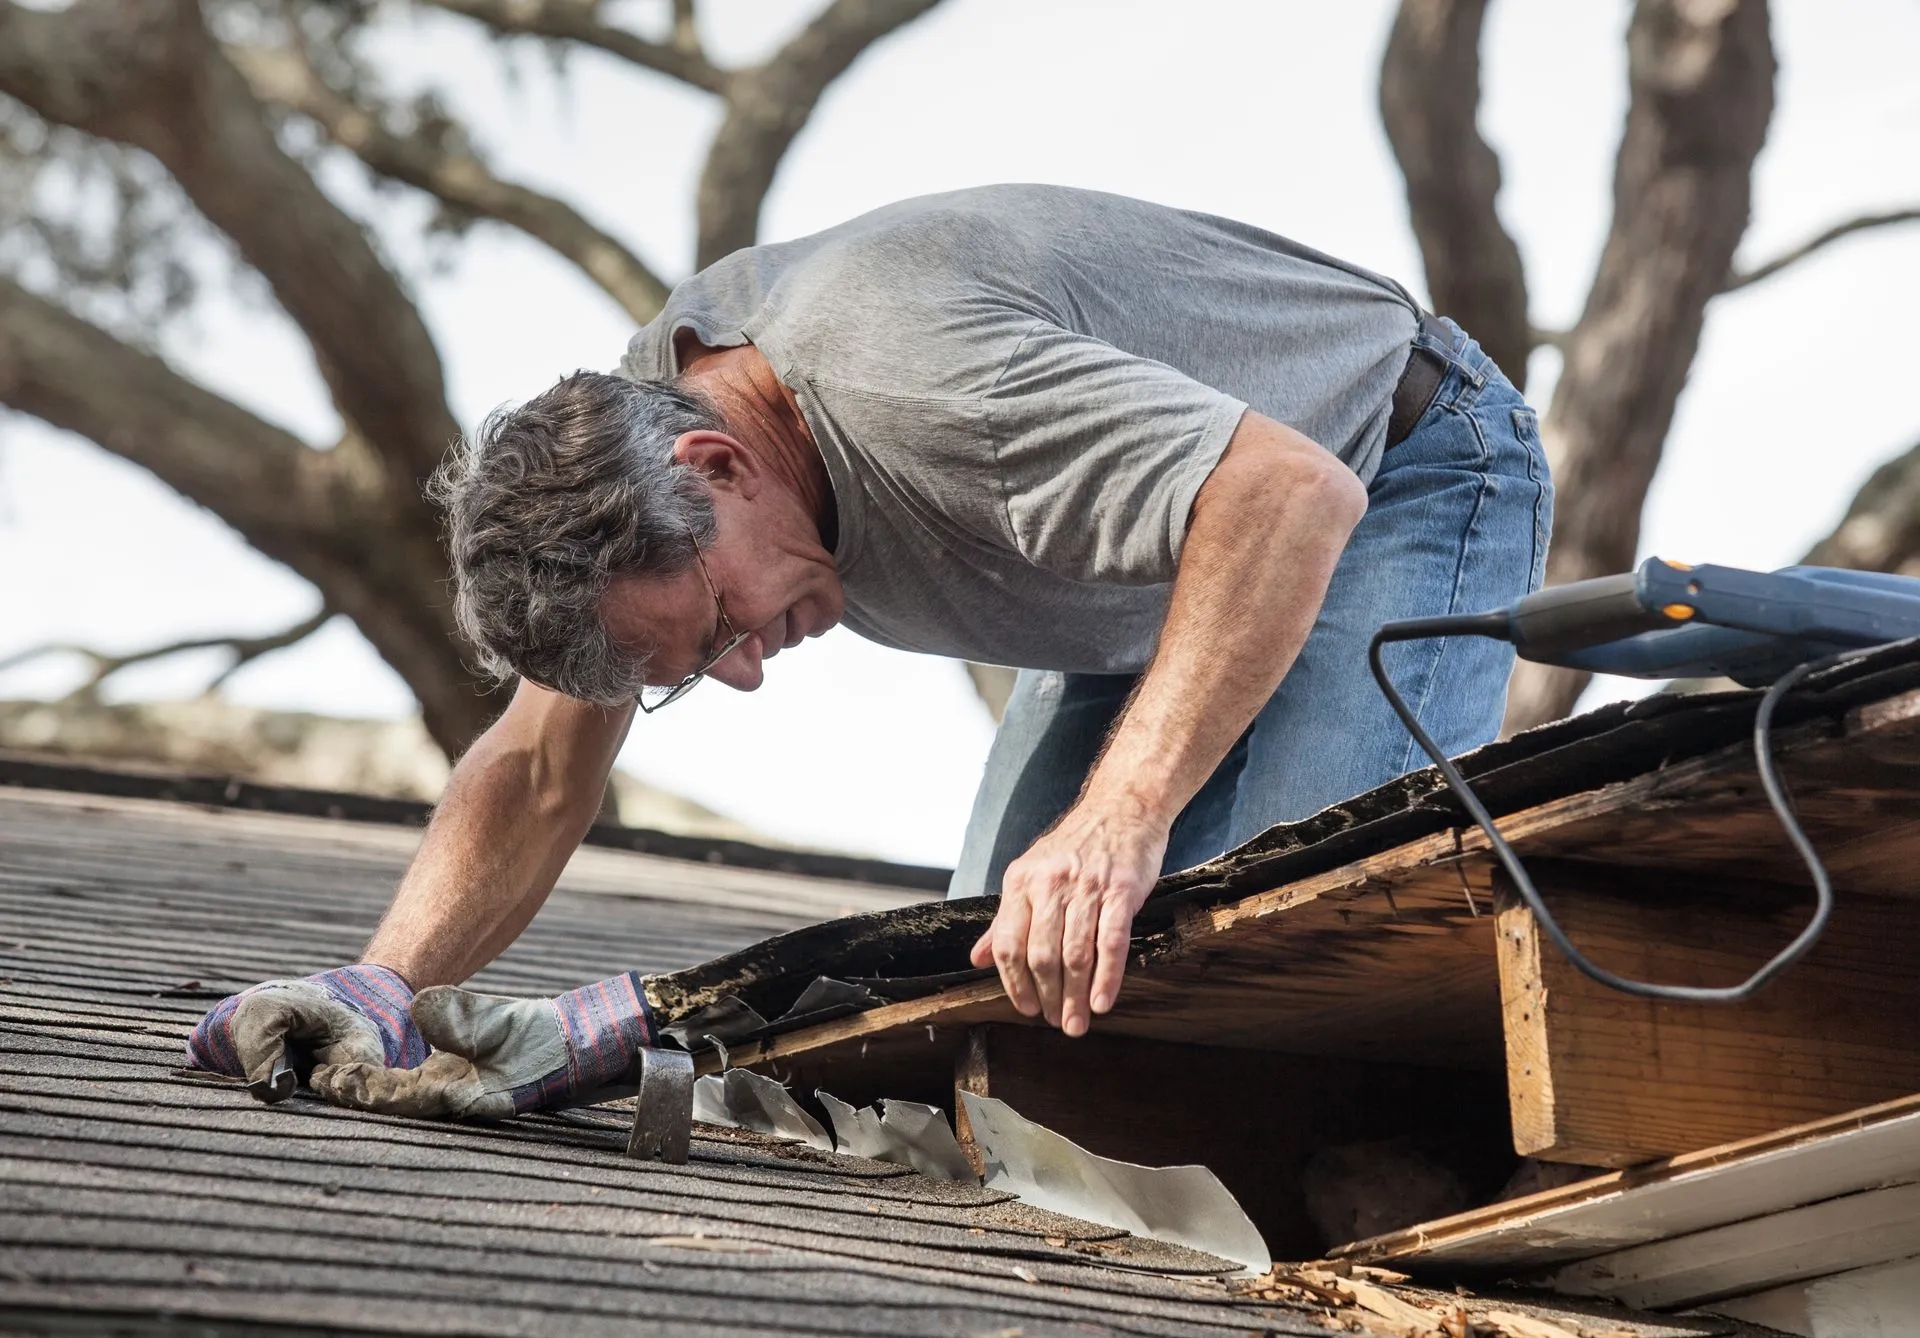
(496, 1056)
(352, 1014)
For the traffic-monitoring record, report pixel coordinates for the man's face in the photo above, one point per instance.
(774, 577)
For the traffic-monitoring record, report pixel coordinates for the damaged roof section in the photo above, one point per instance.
(921, 950)
(1367, 980)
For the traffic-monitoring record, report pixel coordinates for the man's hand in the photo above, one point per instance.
(496, 1056)
(1263, 536)
(353, 1014)
(1066, 913)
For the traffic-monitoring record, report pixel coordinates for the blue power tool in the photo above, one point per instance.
(1669, 620)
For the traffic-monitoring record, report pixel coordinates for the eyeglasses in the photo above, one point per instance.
(652, 699)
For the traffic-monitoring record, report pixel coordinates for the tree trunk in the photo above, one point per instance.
(1701, 73)
(352, 520)
(1429, 102)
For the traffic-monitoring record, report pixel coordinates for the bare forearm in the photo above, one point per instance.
(512, 815)
(1264, 537)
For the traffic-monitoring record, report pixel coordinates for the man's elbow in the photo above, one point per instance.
(1318, 484)
(1273, 469)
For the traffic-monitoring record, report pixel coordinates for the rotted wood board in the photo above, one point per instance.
(1856, 789)
(1391, 965)
(1392, 957)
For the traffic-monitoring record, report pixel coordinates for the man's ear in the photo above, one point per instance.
(727, 465)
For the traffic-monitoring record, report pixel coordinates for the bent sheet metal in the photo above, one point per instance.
(907, 1134)
(1186, 1205)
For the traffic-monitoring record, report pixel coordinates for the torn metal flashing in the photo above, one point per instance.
(905, 1133)
(741, 1099)
(1183, 1205)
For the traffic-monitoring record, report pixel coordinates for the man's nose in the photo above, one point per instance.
(740, 668)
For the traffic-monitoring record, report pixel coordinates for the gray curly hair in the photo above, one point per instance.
(549, 502)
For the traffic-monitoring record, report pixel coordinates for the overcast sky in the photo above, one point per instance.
(1258, 109)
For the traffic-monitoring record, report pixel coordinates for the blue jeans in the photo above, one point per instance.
(1457, 522)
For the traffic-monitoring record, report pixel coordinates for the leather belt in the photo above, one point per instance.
(1419, 383)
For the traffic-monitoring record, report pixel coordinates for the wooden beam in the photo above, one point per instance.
(1252, 1117)
(1602, 1078)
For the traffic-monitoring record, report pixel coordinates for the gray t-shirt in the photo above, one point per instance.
(1018, 390)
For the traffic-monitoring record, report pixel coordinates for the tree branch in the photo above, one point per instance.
(262, 480)
(1701, 80)
(1737, 281)
(246, 649)
(1821, 242)
(329, 515)
(579, 21)
(768, 105)
(147, 73)
(1881, 530)
(284, 77)
(1429, 103)
(686, 29)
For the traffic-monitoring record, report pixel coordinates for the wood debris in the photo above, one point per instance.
(1402, 1318)
(1323, 1287)
(1339, 1285)
(1510, 1324)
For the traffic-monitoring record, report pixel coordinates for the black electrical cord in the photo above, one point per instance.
(1495, 626)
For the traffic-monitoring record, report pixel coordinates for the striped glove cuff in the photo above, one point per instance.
(603, 1025)
(374, 992)
(383, 997)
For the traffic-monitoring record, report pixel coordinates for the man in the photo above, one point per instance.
(1174, 468)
